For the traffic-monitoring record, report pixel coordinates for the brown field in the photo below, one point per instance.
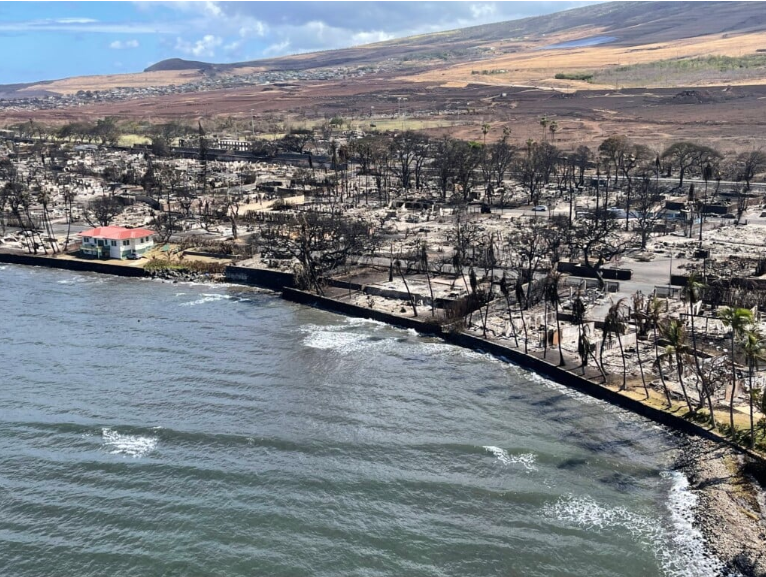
(436, 92)
(536, 67)
(730, 118)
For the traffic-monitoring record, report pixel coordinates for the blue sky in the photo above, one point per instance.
(49, 40)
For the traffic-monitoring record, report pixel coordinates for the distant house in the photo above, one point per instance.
(116, 242)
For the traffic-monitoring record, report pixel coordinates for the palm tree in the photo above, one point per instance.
(578, 319)
(614, 325)
(544, 123)
(398, 267)
(519, 289)
(736, 319)
(674, 332)
(553, 128)
(653, 312)
(640, 331)
(754, 347)
(507, 294)
(552, 296)
(423, 262)
(690, 294)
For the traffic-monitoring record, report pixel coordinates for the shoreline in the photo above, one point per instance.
(729, 505)
(730, 502)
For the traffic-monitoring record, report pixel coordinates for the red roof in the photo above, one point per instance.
(117, 232)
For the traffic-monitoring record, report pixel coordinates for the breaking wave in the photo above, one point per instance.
(135, 446)
(678, 547)
(527, 460)
(207, 298)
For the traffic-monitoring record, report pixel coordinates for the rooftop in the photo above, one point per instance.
(117, 232)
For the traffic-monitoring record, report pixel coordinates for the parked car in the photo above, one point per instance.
(540, 208)
(134, 256)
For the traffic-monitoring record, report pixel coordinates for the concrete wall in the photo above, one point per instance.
(75, 265)
(264, 278)
(534, 364)
(349, 309)
(607, 273)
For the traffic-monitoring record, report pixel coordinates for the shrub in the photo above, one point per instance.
(584, 76)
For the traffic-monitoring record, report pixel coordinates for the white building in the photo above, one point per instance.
(116, 242)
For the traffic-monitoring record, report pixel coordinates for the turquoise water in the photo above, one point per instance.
(165, 429)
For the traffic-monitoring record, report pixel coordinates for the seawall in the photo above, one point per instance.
(284, 282)
(73, 265)
(539, 366)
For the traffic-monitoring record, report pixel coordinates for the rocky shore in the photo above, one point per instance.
(175, 275)
(731, 503)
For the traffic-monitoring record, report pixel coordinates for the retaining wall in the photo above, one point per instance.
(349, 309)
(74, 265)
(265, 278)
(535, 364)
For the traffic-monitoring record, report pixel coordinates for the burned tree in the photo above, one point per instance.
(318, 243)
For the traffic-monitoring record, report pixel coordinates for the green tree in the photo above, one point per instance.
(552, 296)
(737, 320)
(614, 326)
(685, 155)
(754, 346)
(677, 349)
(690, 295)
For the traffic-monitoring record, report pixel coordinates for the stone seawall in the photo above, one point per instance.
(73, 265)
(284, 282)
(534, 364)
(264, 278)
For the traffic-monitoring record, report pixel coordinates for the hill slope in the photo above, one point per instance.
(617, 44)
(629, 23)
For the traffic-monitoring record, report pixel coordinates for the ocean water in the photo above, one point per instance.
(157, 429)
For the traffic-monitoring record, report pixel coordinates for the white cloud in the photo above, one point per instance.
(79, 25)
(120, 45)
(205, 46)
(232, 46)
(370, 37)
(253, 28)
(75, 21)
(482, 11)
(277, 49)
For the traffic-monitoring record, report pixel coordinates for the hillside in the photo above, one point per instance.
(587, 48)
(653, 26)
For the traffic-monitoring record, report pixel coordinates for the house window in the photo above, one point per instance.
(86, 239)
(125, 242)
(114, 243)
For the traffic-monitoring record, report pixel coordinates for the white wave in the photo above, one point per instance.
(134, 446)
(344, 342)
(75, 280)
(207, 298)
(527, 460)
(354, 321)
(688, 543)
(679, 549)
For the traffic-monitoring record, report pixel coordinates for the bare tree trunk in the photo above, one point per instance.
(659, 368)
(733, 385)
(641, 367)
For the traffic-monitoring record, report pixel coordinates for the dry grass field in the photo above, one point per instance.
(654, 81)
(536, 66)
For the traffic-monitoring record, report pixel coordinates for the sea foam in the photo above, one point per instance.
(207, 298)
(678, 547)
(135, 446)
(527, 460)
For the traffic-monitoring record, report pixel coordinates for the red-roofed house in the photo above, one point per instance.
(116, 242)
